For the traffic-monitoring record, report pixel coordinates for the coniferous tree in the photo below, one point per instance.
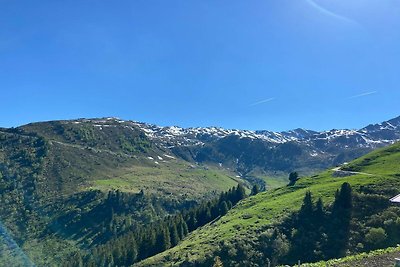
(319, 210)
(223, 208)
(319, 224)
(307, 207)
(174, 235)
(304, 237)
(293, 177)
(140, 242)
(339, 230)
(132, 252)
(240, 193)
(255, 190)
(163, 240)
(192, 221)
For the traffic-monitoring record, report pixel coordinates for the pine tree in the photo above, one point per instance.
(304, 239)
(255, 190)
(182, 227)
(293, 177)
(339, 228)
(307, 207)
(192, 221)
(319, 210)
(163, 240)
(223, 208)
(240, 193)
(132, 252)
(174, 235)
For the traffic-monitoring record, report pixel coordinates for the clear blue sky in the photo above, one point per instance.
(271, 64)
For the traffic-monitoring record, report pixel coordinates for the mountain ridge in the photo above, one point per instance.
(249, 152)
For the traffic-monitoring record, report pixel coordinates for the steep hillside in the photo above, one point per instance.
(58, 178)
(55, 179)
(103, 154)
(374, 178)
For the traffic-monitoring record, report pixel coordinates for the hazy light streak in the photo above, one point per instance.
(363, 94)
(262, 101)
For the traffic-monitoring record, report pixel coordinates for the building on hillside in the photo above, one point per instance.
(395, 199)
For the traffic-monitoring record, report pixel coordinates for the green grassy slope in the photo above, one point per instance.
(62, 171)
(83, 155)
(379, 173)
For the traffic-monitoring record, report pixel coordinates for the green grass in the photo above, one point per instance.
(380, 257)
(172, 177)
(271, 207)
(382, 161)
(77, 161)
(273, 182)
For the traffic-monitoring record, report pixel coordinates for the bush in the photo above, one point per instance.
(376, 237)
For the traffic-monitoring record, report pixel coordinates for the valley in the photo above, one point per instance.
(57, 177)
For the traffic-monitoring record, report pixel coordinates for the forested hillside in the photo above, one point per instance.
(67, 188)
(125, 191)
(330, 215)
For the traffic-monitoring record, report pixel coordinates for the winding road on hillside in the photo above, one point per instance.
(341, 173)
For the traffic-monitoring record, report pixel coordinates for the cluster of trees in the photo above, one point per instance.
(354, 222)
(319, 233)
(106, 216)
(314, 233)
(20, 168)
(116, 139)
(143, 241)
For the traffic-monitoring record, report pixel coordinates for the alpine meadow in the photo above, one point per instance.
(199, 133)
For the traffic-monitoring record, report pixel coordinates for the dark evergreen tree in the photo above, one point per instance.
(304, 238)
(174, 235)
(240, 193)
(255, 190)
(223, 208)
(293, 177)
(339, 223)
(140, 242)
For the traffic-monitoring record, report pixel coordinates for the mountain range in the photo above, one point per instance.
(59, 178)
(251, 152)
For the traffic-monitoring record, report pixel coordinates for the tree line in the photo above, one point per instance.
(315, 232)
(144, 241)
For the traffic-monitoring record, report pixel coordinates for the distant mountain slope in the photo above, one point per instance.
(248, 153)
(91, 153)
(375, 178)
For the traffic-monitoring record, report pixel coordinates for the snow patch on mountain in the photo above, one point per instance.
(372, 135)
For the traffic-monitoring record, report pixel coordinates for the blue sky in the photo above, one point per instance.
(267, 64)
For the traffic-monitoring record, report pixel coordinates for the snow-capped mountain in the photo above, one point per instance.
(370, 136)
(246, 150)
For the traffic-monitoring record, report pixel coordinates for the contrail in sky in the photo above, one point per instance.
(363, 94)
(262, 101)
(330, 13)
